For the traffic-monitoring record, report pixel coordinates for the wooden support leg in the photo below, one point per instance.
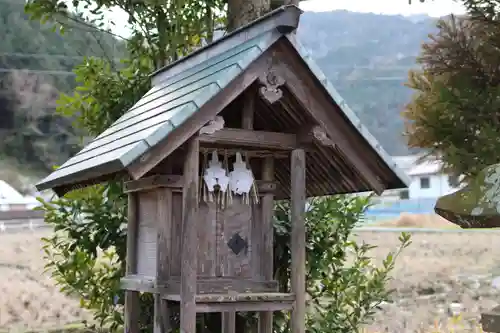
(132, 311)
(298, 242)
(161, 316)
(189, 238)
(267, 205)
(132, 305)
(229, 322)
(163, 246)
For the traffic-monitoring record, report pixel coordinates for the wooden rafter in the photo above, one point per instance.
(302, 85)
(250, 138)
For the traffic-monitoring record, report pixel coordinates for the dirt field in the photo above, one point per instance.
(28, 298)
(436, 271)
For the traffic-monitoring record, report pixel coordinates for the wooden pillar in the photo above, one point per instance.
(298, 242)
(229, 322)
(189, 237)
(163, 243)
(132, 305)
(267, 206)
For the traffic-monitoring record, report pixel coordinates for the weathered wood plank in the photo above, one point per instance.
(177, 220)
(206, 230)
(147, 234)
(207, 285)
(249, 138)
(245, 306)
(189, 235)
(235, 298)
(298, 242)
(156, 181)
(163, 243)
(132, 305)
(174, 182)
(221, 285)
(266, 240)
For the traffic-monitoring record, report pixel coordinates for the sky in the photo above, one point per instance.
(392, 7)
(434, 8)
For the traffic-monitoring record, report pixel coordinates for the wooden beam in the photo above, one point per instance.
(175, 182)
(163, 250)
(298, 242)
(132, 305)
(189, 262)
(245, 302)
(250, 138)
(266, 240)
(248, 110)
(156, 181)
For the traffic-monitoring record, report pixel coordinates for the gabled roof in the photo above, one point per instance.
(178, 94)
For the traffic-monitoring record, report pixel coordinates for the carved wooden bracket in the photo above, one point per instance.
(315, 133)
(213, 126)
(271, 83)
(320, 135)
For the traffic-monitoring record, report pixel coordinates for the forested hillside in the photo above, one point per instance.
(35, 66)
(366, 56)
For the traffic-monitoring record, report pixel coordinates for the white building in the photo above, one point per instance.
(427, 179)
(10, 199)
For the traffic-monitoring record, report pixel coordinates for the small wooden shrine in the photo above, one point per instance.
(222, 133)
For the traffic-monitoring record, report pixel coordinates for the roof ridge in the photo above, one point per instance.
(284, 19)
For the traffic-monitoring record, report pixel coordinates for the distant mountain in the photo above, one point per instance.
(367, 58)
(30, 131)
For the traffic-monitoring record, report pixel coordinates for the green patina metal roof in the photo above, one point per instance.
(166, 106)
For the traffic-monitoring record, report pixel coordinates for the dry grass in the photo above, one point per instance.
(434, 271)
(28, 298)
(406, 220)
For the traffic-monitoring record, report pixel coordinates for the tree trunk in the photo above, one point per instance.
(242, 12)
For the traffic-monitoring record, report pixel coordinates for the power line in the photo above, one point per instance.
(62, 56)
(37, 71)
(48, 55)
(69, 73)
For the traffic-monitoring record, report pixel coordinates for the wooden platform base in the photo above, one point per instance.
(204, 285)
(239, 302)
(218, 295)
